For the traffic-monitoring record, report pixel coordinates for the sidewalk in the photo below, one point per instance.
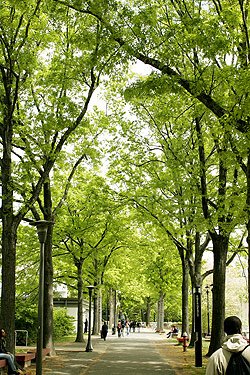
(139, 353)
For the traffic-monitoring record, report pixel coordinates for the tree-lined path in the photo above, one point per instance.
(134, 354)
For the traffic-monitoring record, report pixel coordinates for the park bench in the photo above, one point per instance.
(24, 359)
(45, 351)
(3, 364)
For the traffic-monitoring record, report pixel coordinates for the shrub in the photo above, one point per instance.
(26, 319)
(63, 323)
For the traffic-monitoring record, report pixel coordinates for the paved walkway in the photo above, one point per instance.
(139, 353)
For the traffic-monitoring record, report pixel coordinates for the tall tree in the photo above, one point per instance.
(90, 230)
(47, 81)
(211, 36)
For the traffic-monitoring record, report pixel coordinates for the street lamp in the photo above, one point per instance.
(198, 329)
(41, 226)
(89, 347)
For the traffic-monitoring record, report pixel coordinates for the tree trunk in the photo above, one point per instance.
(161, 311)
(99, 299)
(185, 282)
(195, 266)
(220, 248)
(248, 231)
(196, 283)
(158, 316)
(9, 238)
(48, 339)
(193, 334)
(8, 281)
(148, 312)
(79, 337)
(95, 315)
(111, 309)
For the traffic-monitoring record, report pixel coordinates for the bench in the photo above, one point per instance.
(45, 351)
(24, 359)
(3, 364)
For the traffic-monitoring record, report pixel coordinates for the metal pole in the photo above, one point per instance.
(198, 328)
(41, 226)
(89, 347)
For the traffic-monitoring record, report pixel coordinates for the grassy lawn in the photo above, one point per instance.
(190, 363)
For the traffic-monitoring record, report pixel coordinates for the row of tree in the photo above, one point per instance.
(181, 162)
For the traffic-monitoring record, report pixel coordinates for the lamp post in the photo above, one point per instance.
(198, 328)
(89, 347)
(41, 226)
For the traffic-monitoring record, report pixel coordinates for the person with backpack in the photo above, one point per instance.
(234, 355)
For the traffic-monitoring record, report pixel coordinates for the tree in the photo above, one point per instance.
(90, 229)
(18, 51)
(47, 81)
(199, 48)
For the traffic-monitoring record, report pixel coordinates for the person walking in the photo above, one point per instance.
(119, 328)
(86, 326)
(104, 331)
(4, 354)
(233, 343)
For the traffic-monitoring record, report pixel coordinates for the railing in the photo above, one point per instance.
(26, 334)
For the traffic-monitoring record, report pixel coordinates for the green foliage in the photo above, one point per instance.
(26, 318)
(63, 323)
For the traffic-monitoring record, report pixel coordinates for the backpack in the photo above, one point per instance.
(238, 365)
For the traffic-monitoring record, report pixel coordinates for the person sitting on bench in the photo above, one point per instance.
(7, 355)
(173, 330)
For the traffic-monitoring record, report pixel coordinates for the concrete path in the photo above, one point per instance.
(133, 354)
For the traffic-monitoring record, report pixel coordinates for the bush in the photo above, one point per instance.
(26, 319)
(63, 324)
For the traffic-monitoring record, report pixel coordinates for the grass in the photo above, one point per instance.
(190, 363)
(184, 362)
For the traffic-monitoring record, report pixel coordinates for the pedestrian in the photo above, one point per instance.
(4, 354)
(138, 326)
(119, 327)
(127, 327)
(86, 326)
(104, 331)
(233, 343)
(122, 328)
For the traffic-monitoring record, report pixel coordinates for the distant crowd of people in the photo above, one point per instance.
(127, 327)
(124, 327)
